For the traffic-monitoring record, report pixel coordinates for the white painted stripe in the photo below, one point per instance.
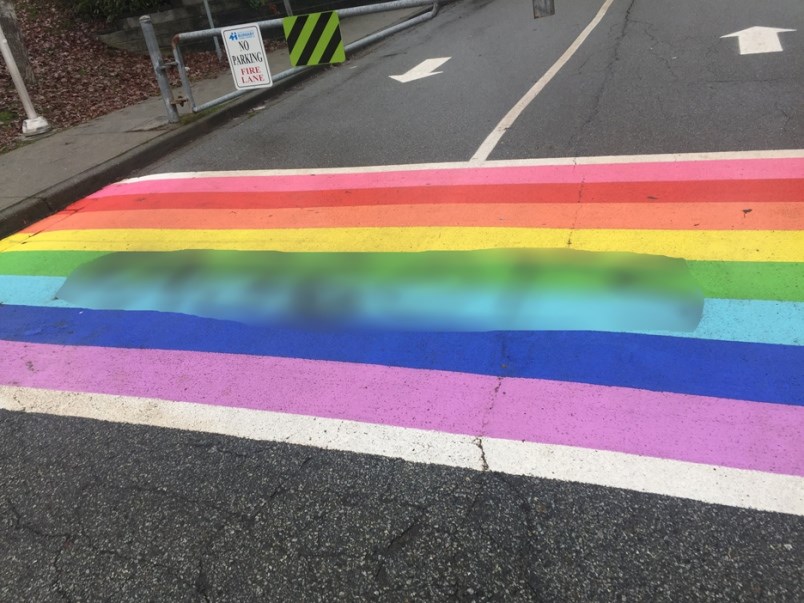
(501, 163)
(497, 133)
(413, 445)
(706, 483)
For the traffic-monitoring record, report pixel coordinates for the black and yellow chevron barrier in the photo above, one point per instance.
(314, 39)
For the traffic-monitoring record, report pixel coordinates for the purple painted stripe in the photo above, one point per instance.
(747, 435)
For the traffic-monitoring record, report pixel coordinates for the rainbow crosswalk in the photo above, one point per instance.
(715, 413)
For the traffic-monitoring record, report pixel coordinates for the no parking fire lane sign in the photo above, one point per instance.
(247, 57)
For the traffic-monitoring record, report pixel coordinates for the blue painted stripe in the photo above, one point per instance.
(754, 321)
(746, 371)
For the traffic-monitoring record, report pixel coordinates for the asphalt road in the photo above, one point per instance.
(100, 511)
(647, 80)
(95, 511)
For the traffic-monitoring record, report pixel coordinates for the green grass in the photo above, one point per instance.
(7, 116)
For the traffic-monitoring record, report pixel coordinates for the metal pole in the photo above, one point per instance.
(357, 11)
(218, 50)
(275, 23)
(288, 10)
(384, 33)
(185, 80)
(159, 68)
(35, 124)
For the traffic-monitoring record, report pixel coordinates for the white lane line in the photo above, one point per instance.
(706, 483)
(498, 163)
(497, 133)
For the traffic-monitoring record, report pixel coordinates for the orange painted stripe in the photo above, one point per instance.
(671, 216)
(652, 193)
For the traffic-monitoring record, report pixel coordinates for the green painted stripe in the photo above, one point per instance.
(45, 263)
(323, 41)
(512, 271)
(304, 38)
(777, 281)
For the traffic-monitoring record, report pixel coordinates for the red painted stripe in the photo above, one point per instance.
(745, 191)
(678, 169)
(668, 216)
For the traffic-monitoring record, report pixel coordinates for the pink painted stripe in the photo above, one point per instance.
(747, 435)
(708, 170)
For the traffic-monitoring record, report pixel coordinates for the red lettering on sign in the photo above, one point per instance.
(252, 79)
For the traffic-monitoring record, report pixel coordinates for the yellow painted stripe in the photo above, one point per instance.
(757, 246)
(13, 241)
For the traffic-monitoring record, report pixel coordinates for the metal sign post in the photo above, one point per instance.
(35, 124)
(191, 36)
(212, 25)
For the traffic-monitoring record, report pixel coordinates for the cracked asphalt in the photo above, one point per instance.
(648, 80)
(93, 511)
(665, 82)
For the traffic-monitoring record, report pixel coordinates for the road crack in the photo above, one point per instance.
(610, 68)
(484, 464)
(395, 545)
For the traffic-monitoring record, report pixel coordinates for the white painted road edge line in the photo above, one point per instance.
(706, 483)
(496, 163)
(497, 133)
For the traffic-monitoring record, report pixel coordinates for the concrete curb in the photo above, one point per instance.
(57, 197)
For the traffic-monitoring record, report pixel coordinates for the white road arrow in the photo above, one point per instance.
(756, 40)
(422, 70)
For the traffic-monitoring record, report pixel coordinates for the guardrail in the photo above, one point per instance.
(161, 66)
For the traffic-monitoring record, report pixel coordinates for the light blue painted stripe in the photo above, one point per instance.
(32, 291)
(749, 320)
(752, 321)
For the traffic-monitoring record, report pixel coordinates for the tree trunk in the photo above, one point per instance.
(8, 21)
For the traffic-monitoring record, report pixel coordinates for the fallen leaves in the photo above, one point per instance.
(78, 77)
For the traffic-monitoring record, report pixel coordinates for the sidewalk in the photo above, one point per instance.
(49, 173)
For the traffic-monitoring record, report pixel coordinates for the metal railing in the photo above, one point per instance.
(161, 66)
